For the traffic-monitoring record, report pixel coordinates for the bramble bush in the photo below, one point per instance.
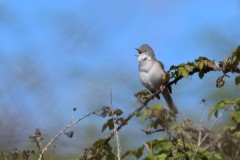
(185, 139)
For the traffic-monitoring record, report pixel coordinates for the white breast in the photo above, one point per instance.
(145, 79)
(151, 75)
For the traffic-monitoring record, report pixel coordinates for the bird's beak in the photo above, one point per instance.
(138, 52)
(137, 49)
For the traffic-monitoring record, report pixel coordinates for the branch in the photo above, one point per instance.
(152, 131)
(63, 131)
(196, 70)
(124, 122)
(203, 65)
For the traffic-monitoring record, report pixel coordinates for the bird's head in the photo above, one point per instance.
(145, 52)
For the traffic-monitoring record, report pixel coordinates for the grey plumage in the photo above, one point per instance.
(151, 74)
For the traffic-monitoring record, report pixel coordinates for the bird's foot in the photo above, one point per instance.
(162, 87)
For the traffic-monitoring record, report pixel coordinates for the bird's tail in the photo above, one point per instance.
(169, 101)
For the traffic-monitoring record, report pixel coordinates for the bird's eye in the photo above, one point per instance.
(145, 50)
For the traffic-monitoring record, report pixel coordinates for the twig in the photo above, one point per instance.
(115, 129)
(216, 67)
(212, 125)
(152, 131)
(148, 148)
(37, 138)
(182, 150)
(62, 132)
(200, 123)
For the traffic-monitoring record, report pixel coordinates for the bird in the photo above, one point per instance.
(152, 74)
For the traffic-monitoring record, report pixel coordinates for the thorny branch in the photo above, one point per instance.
(137, 110)
(213, 67)
(208, 68)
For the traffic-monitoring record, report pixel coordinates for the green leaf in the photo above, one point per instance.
(162, 156)
(145, 115)
(237, 102)
(142, 94)
(220, 82)
(188, 68)
(237, 80)
(156, 111)
(182, 71)
(211, 64)
(217, 156)
(237, 52)
(173, 67)
(138, 153)
(99, 143)
(158, 107)
(236, 116)
(104, 127)
(110, 156)
(237, 134)
(200, 65)
(216, 113)
(181, 65)
(207, 156)
(201, 58)
(201, 74)
(118, 112)
(185, 73)
(179, 71)
(228, 128)
(69, 134)
(109, 124)
(126, 154)
(235, 62)
(217, 107)
(225, 61)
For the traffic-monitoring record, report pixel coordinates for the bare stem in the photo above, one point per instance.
(212, 125)
(115, 129)
(200, 124)
(62, 132)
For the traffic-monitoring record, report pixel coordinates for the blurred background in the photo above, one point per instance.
(57, 55)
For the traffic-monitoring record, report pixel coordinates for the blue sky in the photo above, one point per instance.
(55, 55)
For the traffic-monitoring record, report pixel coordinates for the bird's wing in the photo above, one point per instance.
(161, 64)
